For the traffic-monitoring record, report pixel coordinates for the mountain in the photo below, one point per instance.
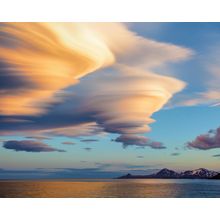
(198, 173)
(216, 177)
(162, 174)
(165, 173)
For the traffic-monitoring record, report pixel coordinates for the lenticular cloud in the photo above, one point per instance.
(123, 102)
(40, 61)
(45, 58)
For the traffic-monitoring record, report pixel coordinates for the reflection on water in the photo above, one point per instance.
(149, 188)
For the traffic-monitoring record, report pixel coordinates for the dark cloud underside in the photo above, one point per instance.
(29, 146)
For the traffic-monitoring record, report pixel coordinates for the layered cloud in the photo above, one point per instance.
(40, 59)
(206, 141)
(29, 146)
(73, 127)
(142, 141)
(123, 102)
(42, 63)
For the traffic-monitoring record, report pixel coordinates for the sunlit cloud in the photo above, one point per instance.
(45, 58)
(78, 130)
(206, 141)
(44, 62)
(126, 108)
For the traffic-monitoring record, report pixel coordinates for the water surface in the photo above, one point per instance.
(110, 188)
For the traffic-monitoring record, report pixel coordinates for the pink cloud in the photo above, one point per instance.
(206, 141)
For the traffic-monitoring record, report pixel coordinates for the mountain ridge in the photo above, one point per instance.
(165, 173)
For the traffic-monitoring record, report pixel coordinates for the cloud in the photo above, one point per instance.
(49, 60)
(87, 148)
(68, 143)
(125, 168)
(136, 50)
(29, 146)
(140, 157)
(216, 155)
(41, 59)
(209, 97)
(175, 154)
(77, 130)
(38, 137)
(58, 173)
(206, 90)
(96, 170)
(62, 173)
(126, 107)
(142, 141)
(89, 140)
(207, 141)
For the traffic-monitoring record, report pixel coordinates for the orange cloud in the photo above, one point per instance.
(50, 57)
(40, 60)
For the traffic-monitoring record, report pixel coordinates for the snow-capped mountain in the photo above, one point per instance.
(198, 173)
(165, 173)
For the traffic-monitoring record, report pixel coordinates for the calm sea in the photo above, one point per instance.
(110, 188)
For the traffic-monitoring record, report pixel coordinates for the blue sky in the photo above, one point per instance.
(89, 110)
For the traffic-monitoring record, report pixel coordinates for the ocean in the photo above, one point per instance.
(110, 188)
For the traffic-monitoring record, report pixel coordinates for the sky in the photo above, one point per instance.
(98, 100)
